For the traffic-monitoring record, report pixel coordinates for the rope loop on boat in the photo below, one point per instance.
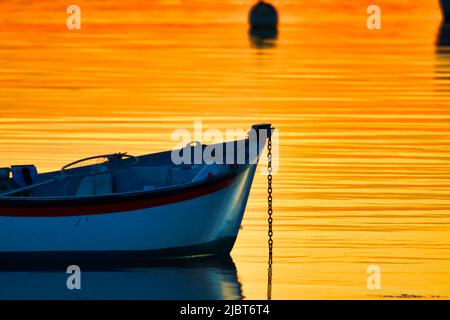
(269, 211)
(113, 157)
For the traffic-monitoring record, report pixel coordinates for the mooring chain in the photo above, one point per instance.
(269, 211)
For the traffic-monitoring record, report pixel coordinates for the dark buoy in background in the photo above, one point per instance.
(445, 6)
(263, 20)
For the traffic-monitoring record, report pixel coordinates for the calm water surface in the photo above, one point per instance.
(363, 117)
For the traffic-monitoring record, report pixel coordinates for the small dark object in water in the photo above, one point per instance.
(263, 15)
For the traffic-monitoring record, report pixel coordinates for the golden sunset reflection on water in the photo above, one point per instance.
(363, 117)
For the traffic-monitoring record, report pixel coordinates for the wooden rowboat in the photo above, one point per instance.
(130, 207)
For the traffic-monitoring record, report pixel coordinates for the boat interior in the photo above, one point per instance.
(108, 178)
(117, 173)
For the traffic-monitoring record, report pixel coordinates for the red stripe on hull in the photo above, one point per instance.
(71, 208)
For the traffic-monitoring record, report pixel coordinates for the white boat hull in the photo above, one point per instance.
(201, 225)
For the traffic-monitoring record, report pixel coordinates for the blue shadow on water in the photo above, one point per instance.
(177, 279)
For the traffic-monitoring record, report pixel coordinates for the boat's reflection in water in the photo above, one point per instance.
(195, 278)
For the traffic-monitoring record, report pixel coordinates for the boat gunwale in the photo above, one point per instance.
(235, 171)
(115, 203)
(231, 174)
(101, 204)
